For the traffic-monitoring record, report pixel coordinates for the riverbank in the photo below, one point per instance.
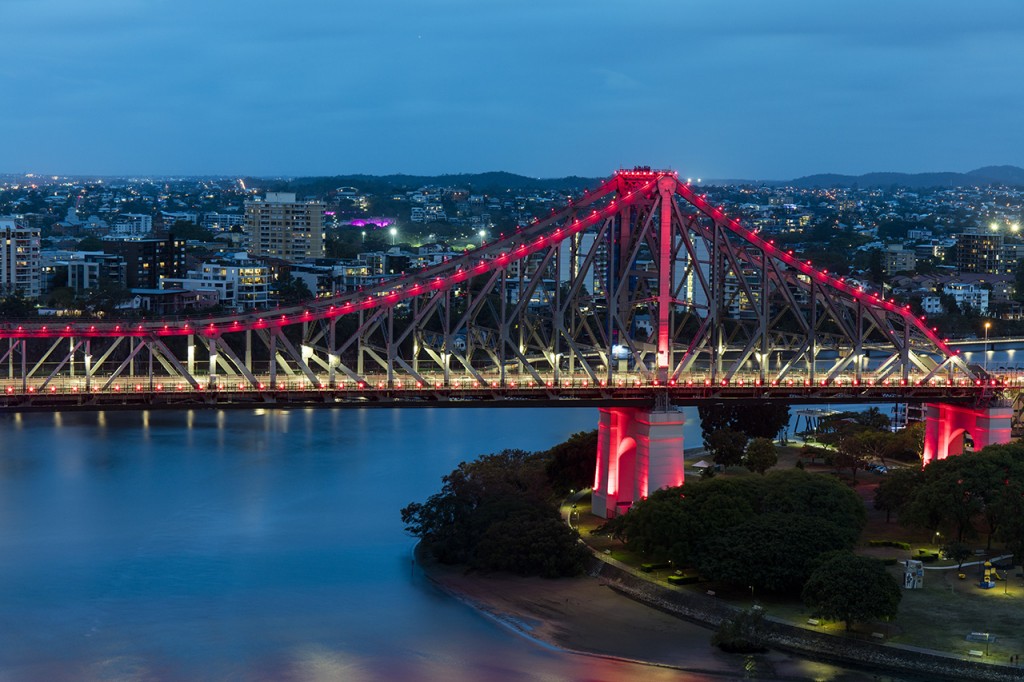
(587, 616)
(668, 627)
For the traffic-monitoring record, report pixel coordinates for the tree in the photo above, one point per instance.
(761, 531)
(761, 455)
(958, 552)
(571, 464)
(872, 418)
(496, 513)
(726, 447)
(945, 498)
(909, 445)
(472, 496)
(189, 231)
(295, 290)
(16, 308)
(761, 420)
(104, 298)
(530, 541)
(851, 588)
(896, 490)
(61, 297)
(91, 244)
(875, 265)
(1018, 289)
(849, 454)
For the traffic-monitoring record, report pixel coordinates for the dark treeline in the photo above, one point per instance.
(500, 511)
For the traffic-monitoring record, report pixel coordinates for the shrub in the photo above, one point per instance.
(741, 634)
(683, 579)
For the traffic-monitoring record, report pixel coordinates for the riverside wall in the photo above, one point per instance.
(711, 611)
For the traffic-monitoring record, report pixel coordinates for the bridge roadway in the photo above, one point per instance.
(568, 391)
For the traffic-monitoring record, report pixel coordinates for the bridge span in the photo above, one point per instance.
(636, 296)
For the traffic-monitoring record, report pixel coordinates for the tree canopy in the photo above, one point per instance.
(761, 455)
(756, 420)
(497, 513)
(571, 464)
(761, 531)
(726, 447)
(976, 491)
(851, 588)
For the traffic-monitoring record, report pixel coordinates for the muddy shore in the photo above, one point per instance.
(584, 616)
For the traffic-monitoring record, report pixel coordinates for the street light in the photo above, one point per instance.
(483, 233)
(364, 235)
(987, 325)
(394, 233)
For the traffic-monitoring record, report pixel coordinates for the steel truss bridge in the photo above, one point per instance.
(638, 291)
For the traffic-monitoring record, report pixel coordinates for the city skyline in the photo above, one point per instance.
(734, 90)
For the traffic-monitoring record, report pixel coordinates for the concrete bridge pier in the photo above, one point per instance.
(638, 451)
(945, 426)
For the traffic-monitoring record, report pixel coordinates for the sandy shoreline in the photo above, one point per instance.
(582, 615)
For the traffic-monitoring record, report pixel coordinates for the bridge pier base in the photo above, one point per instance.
(638, 451)
(945, 426)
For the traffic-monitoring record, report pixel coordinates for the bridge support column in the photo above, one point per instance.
(638, 451)
(945, 426)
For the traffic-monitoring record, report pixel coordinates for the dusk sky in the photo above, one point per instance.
(719, 89)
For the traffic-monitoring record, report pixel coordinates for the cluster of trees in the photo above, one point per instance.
(760, 531)
(862, 437)
(962, 496)
(500, 511)
(742, 434)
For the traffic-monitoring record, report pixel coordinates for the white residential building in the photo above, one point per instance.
(133, 225)
(931, 305)
(240, 283)
(968, 295)
(19, 259)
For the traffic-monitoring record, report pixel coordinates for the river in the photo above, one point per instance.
(251, 545)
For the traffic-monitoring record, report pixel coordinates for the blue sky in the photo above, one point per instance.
(719, 88)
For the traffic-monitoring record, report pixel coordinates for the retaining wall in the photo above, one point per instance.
(710, 611)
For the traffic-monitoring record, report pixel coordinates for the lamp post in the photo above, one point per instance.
(394, 233)
(987, 325)
(483, 234)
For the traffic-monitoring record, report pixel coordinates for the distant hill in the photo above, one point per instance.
(1004, 175)
(1008, 175)
(495, 181)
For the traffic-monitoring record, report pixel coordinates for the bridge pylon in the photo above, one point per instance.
(638, 451)
(946, 425)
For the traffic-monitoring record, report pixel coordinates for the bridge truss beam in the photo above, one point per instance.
(639, 283)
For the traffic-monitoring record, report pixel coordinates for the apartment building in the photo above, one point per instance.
(19, 259)
(278, 226)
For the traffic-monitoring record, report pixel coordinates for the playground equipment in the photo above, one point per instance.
(988, 580)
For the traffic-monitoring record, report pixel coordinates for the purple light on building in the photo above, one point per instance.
(371, 222)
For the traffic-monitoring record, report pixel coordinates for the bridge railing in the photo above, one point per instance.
(15, 386)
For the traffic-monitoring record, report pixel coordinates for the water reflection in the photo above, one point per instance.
(260, 545)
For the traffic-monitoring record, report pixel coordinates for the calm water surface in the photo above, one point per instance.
(244, 545)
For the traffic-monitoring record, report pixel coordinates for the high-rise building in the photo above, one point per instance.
(19, 259)
(147, 261)
(986, 252)
(278, 226)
